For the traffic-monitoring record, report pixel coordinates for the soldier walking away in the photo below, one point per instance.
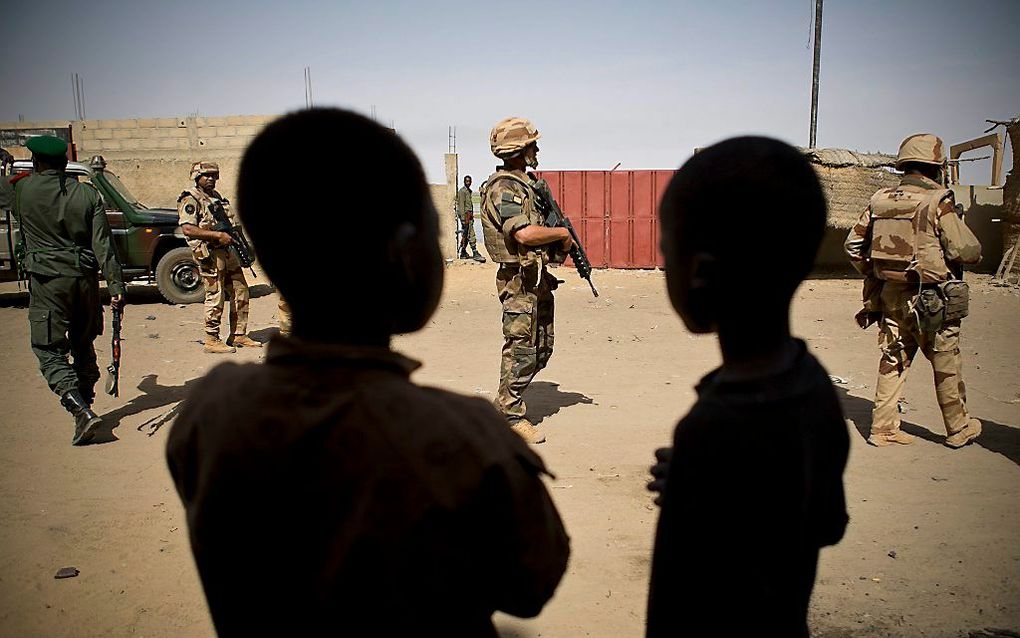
(67, 242)
(516, 238)
(221, 271)
(910, 244)
(466, 216)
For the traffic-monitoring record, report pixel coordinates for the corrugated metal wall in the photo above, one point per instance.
(615, 213)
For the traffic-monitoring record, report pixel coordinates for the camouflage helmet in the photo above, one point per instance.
(922, 147)
(204, 168)
(511, 135)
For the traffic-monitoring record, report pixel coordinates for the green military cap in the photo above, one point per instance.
(47, 145)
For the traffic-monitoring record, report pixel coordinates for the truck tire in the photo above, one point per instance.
(177, 277)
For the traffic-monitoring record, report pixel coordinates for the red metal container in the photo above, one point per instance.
(615, 213)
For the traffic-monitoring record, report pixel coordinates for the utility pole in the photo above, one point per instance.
(78, 91)
(308, 87)
(814, 74)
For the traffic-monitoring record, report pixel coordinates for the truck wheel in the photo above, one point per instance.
(177, 277)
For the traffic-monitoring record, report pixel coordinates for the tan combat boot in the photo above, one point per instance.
(970, 431)
(882, 439)
(213, 345)
(243, 341)
(528, 432)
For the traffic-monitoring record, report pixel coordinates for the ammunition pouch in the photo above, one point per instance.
(929, 309)
(956, 295)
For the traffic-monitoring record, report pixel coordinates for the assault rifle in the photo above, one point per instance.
(238, 245)
(113, 370)
(555, 218)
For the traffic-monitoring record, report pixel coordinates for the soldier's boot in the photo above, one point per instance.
(243, 341)
(882, 439)
(528, 432)
(213, 345)
(970, 431)
(476, 256)
(85, 420)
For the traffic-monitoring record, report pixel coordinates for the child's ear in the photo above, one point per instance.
(417, 275)
(704, 270)
(702, 304)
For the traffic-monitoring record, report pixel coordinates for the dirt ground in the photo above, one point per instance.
(933, 546)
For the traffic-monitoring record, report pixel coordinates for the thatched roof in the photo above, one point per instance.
(849, 179)
(840, 157)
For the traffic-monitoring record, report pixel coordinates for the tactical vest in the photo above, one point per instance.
(502, 248)
(200, 247)
(904, 243)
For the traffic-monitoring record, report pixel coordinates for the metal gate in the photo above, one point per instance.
(615, 213)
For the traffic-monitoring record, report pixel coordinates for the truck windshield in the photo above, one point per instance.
(115, 182)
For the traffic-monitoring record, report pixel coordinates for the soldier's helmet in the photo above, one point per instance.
(922, 147)
(511, 135)
(204, 168)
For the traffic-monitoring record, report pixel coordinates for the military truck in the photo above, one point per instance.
(149, 242)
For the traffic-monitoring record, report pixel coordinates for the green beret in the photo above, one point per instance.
(47, 145)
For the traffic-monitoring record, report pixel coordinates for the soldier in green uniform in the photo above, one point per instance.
(516, 238)
(909, 243)
(466, 218)
(67, 242)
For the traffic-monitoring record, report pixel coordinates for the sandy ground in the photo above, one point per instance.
(621, 376)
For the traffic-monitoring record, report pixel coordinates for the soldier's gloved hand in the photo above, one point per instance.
(664, 456)
(225, 239)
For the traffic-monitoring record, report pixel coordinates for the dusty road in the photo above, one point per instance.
(622, 374)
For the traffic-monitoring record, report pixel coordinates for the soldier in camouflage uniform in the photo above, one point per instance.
(220, 269)
(67, 242)
(517, 239)
(910, 239)
(466, 217)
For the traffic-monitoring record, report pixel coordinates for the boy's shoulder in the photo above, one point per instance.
(451, 425)
(231, 402)
(723, 406)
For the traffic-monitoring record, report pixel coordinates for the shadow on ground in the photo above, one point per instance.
(995, 437)
(260, 290)
(137, 295)
(545, 399)
(153, 396)
(264, 334)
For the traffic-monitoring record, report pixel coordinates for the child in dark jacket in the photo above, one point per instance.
(752, 487)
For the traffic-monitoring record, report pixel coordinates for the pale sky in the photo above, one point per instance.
(642, 83)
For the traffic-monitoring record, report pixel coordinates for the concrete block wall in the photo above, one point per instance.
(153, 156)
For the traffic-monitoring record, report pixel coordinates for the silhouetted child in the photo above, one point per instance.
(753, 485)
(327, 494)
